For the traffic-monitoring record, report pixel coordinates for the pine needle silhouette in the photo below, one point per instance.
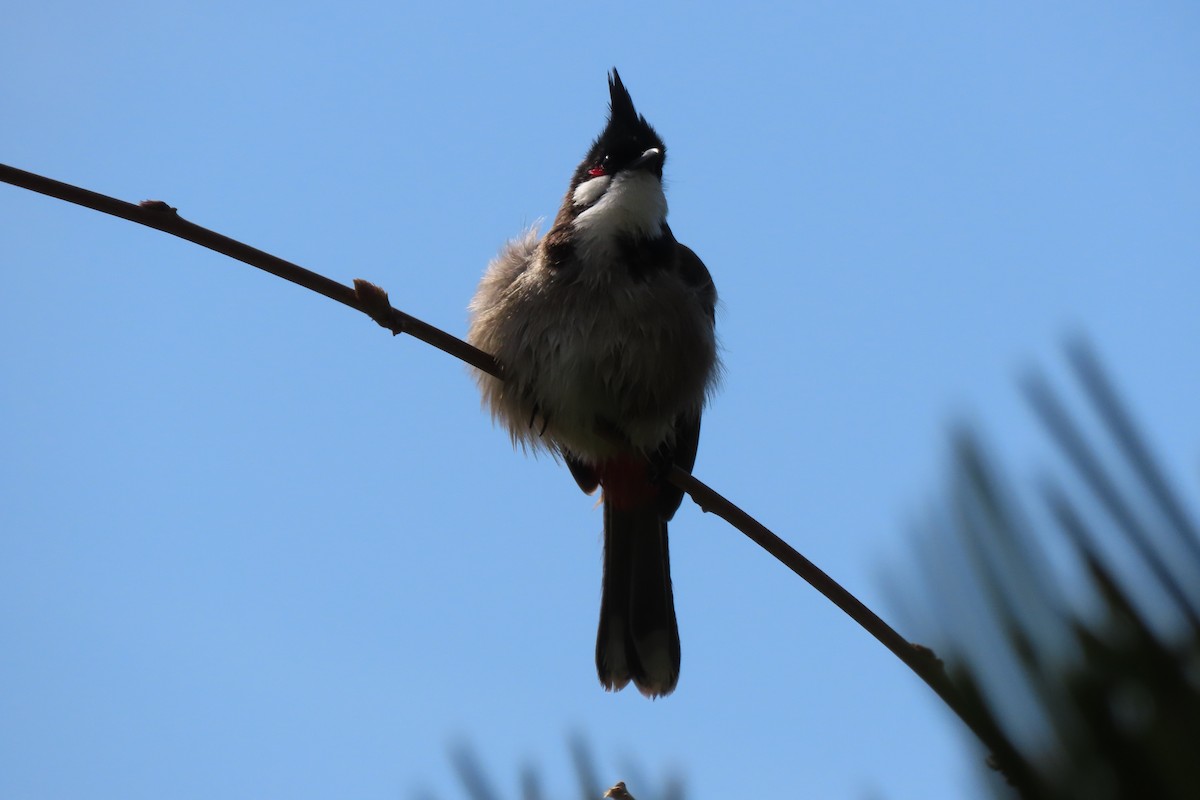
(1091, 680)
(479, 786)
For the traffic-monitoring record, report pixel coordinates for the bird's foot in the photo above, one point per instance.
(660, 460)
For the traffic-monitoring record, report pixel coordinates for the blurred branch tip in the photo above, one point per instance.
(1067, 611)
(479, 786)
(619, 792)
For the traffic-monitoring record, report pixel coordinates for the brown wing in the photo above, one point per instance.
(696, 275)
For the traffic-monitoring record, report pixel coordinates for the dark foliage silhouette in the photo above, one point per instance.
(1069, 621)
(477, 785)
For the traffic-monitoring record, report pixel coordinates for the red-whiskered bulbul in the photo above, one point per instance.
(605, 331)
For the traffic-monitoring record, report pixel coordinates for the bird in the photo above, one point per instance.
(605, 330)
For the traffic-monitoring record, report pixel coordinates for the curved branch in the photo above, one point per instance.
(920, 659)
(373, 301)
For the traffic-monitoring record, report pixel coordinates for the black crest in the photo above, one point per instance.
(626, 136)
(621, 112)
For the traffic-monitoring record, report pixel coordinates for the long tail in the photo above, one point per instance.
(638, 637)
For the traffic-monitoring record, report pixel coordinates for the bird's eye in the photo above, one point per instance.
(601, 168)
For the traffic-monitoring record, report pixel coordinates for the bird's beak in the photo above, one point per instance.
(652, 158)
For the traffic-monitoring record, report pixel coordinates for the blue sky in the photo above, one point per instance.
(253, 547)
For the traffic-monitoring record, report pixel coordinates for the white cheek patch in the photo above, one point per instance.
(634, 205)
(589, 192)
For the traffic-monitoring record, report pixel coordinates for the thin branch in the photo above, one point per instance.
(918, 658)
(364, 297)
(373, 301)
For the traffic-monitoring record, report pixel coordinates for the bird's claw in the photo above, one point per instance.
(661, 460)
(533, 415)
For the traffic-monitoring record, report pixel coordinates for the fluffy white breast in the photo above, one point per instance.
(589, 192)
(632, 204)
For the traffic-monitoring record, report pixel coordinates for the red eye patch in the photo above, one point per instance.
(596, 172)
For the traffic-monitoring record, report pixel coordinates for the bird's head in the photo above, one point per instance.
(621, 176)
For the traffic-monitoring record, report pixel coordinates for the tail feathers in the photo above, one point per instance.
(639, 637)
